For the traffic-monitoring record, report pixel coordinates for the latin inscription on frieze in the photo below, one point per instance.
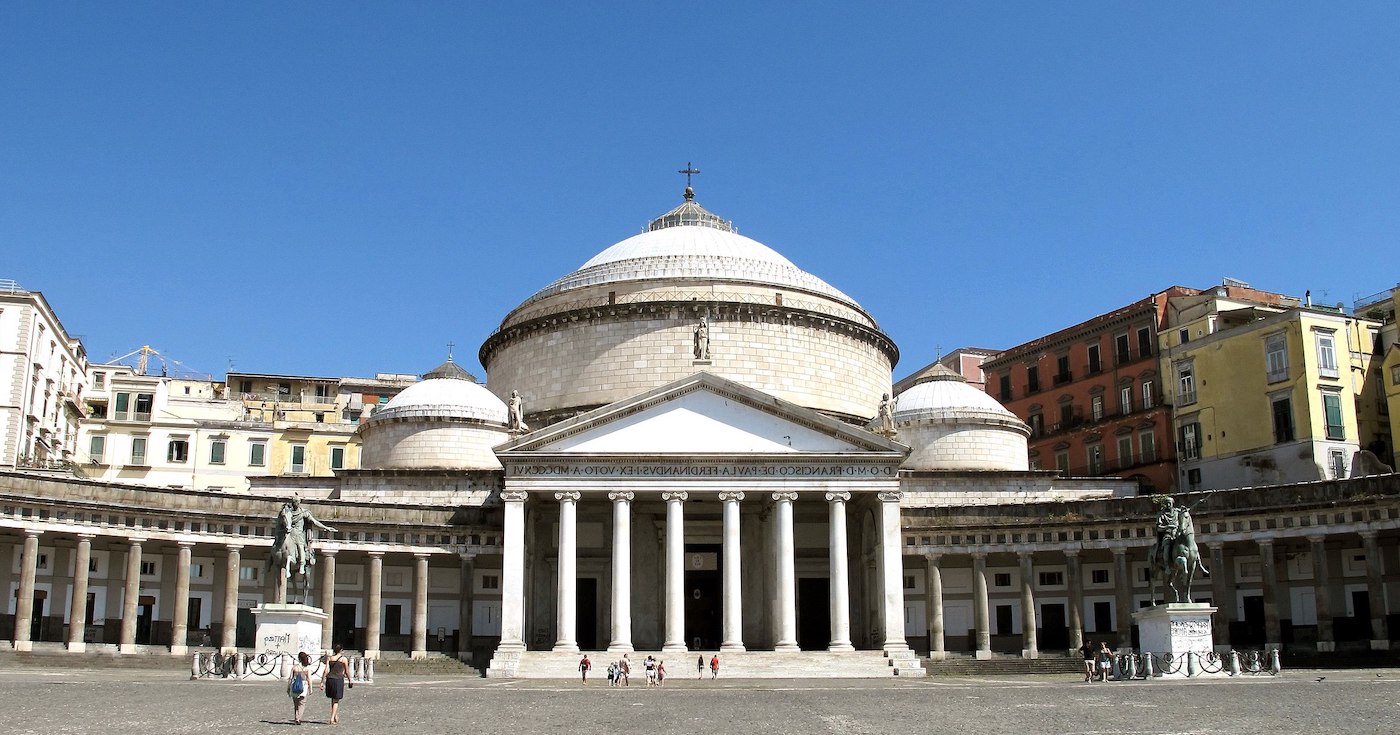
(740, 471)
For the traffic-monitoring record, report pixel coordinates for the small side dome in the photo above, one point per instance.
(952, 426)
(446, 421)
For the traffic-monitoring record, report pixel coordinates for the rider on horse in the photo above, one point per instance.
(1174, 557)
(291, 547)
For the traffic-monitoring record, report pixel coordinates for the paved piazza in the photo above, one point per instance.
(144, 702)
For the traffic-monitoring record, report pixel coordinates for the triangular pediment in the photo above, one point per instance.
(700, 415)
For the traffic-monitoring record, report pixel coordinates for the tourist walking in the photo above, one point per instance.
(700, 667)
(298, 685)
(650, 666)
(624, 670)
(584, 666)
(714, 666)
(612, 674)
(336, 680)
(1105, 661)
(660, 673)
(1087, 650)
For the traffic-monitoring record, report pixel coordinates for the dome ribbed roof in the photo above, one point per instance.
(444, 398)
(943, 394)
(691, 242)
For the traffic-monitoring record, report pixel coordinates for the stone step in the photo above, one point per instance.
(1003, 666)
(154, 657)
(735, 665)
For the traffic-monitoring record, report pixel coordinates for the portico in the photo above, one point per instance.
(737, 507)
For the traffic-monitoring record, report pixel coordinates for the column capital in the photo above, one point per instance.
(675, 497)
(233, 548)
(1265, 543)
(890, 496)
(90, 536)
(1318, 538)
(136, 541)
(467, 557)
(731, 495)
(1071, 553)
(328, 552)
(1025, 555)
(181, 544)
(514, 496)
(933, 558)
(979, 555)
(375, 554)
(568, 496)
(1119, 550)
(1368, 535)
(838, 497)
(421, 555)
(32, 533)
(621, 496)
(784, 497)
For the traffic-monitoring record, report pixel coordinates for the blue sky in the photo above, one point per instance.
(340, 189)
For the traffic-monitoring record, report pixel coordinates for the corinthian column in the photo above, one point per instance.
(566, 613)
(622, 572)
(787, 575)
(675, 571)
(840, 574)
(733, 594)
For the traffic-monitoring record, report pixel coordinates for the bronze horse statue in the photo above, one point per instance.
(291, 555)
(1175, 558)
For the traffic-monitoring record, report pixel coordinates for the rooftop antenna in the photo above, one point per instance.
(450, 345)
(689, 171)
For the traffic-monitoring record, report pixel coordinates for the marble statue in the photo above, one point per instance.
(1174, 558)
(886, 415)
(702, 340)
(292, 555)
(517, 413)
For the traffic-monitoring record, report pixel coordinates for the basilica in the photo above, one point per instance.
(689, 444)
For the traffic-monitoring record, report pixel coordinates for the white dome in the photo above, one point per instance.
(445, 398)
(944, 394)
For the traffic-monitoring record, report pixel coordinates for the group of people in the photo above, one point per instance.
(334, 683)
(620, 671)
(1098, 661)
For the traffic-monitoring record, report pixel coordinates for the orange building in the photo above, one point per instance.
(1092, 395)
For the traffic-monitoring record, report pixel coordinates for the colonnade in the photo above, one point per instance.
(134, 547)
(1220, 588)
(673, 636)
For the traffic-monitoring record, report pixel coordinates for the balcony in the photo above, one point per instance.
(1063, 378)
(1187, 398)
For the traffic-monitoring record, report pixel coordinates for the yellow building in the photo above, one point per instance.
(1265, 389)
(1384, 380)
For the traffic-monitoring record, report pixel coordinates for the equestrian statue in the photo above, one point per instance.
(291, 555)
(1174, 559)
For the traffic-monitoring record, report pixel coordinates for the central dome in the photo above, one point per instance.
(691, 242)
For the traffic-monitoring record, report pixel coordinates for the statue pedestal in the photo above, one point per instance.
(1182, 630)
(284, 628)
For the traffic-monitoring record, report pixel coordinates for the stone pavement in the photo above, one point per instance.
(53, 702)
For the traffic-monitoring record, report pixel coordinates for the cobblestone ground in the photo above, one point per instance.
(155, 703)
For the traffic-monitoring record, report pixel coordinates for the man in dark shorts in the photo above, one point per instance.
(1087, 651)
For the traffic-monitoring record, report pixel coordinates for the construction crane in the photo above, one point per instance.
(143, 355)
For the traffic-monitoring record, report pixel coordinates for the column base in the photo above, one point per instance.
(565, 648)
(1376, 645)
(732, 647)
(125, 648)
(417, 655)
(24, 645)
(1030, 653)
(839, 646)
(77, 646)
(178, 650)
(620, 648)
(1326, 646)
(787, 647)
(227, 650)
(900, 647)
(982, 655)
(674, 648)
(371, 653)
(938, 655)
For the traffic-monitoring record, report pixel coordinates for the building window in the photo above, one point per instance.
(217, 448)
(1037, 422)
(144, 401)
(1183, 335)
(1332, 408)
(1098, 576)
(1062, 462)
(490, 582)
(1144, 336)
(1283, 419)
(148, 568)
(1096, 407)
(1121, 352)
(1052, 579)
(1125, 399)
(1147, 446)
(121, 406)
(1066, 415)
(1095, 362)
(1326, 355)
(1001, 579)
(178, 450)
(298, 464)
(1193, 478)
(1149, 396)
(97, 448)
(1190, 440)
(1062, 372)
(138, 450)
(1276, 357)
(1095, 454)
(257, 454)
(337, 458)
(1005, 385)
(1125, 451)
(1395, 375)
(1186, 384)
(99, 380)
(248, 574)
(1032, 378)
(1339, 465)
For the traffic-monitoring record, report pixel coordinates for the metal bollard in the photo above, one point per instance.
(1132, 666)
(1234, 662)
(194, 666)
(1147, 665)
(1274, 664)
(284, 666)
(369, 671)
(1191, 664)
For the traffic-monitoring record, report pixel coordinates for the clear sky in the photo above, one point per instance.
(344, 188)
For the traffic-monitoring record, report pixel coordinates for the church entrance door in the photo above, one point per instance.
(586, 613)
(703, 596)
(813, 613)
